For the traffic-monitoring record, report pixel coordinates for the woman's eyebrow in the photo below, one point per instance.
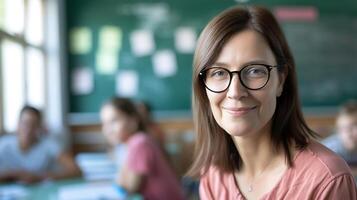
(220, 64)
(255, 61)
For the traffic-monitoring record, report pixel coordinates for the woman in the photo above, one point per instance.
(144, 170)
(252, 141)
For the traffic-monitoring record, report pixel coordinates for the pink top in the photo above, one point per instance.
(144, 157)
(317, 173)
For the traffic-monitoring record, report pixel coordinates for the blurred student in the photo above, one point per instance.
(30, 156)
(144, 171)
(344, 142)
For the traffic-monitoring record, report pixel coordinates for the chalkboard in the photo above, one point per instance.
(325, 50)
(326, 59)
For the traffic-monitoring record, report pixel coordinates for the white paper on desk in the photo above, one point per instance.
(13, 191)
(127, 83)
(110, 38)
(80, 39)
(185, 39)
(82, 81)
(88, 191)
(107, 61)
(164, 63)
(142, 42)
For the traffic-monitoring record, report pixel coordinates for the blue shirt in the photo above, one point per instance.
(334, 143)
(42, 157)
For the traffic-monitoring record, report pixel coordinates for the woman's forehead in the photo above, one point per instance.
(246, 47)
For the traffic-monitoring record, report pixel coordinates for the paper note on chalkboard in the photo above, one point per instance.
(127, 83)
(185, 39)
(106, 62)
(110, 38)
(82, 81)
(164, 63)
(142, 42)
(80, 39)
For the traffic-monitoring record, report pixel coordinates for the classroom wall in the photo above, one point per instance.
(321, 36)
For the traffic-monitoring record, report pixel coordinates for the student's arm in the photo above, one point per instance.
(6, 176)
(130, 180)
(20, 175)
(69, 167)
(138, 165)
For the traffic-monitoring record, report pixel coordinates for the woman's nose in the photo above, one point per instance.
(236, 90)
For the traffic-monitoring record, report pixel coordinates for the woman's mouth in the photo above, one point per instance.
(239, 111)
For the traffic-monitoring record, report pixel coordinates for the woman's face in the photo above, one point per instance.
(238, 110)
(116, 126)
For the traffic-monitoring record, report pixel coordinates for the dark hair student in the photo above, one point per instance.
(252, 140)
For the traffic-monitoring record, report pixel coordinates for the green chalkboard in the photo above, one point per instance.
(325, 50)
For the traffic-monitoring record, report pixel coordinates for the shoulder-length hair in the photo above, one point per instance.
(213, 145)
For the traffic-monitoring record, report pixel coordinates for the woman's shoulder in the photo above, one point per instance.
(317, 173)
(212, 171)
(216, 184)
(317, 156)
(318, 165)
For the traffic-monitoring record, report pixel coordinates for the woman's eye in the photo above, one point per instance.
(256, 72)
(220, 73)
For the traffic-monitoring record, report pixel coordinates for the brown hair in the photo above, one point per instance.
(126, 106)
(213, 145)
(33, 110)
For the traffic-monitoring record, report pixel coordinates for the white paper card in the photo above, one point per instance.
(80, 40)
(164, 63)
(185, 40)
(110, 38)
(127, 83)
(106, 62)
(82, 81)
(142, 42)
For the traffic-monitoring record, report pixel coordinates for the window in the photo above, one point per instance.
(22, 58)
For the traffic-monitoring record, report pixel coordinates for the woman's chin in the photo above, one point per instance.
(239, 131)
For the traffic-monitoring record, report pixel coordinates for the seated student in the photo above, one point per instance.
(144, 170)
(344, 142)
(29, 156)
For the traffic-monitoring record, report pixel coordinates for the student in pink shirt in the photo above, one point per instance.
(252, 141)
(145, 170)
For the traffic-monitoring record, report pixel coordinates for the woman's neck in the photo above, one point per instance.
(257, 153)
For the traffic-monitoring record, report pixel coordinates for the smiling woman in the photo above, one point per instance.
(252, 141)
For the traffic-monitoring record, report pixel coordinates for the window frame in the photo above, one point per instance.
(22, 41)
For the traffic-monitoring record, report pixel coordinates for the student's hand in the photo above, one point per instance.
(130, 180)
(28, 177)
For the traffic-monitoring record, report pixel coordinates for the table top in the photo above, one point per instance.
(60, 190)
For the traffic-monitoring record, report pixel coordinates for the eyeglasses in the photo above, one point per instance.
(252, 77)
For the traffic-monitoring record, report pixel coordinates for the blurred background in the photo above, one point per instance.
(66, 57)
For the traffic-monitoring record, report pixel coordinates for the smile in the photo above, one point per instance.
(239, 111)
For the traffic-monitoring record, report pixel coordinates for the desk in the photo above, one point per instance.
(60, 190)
